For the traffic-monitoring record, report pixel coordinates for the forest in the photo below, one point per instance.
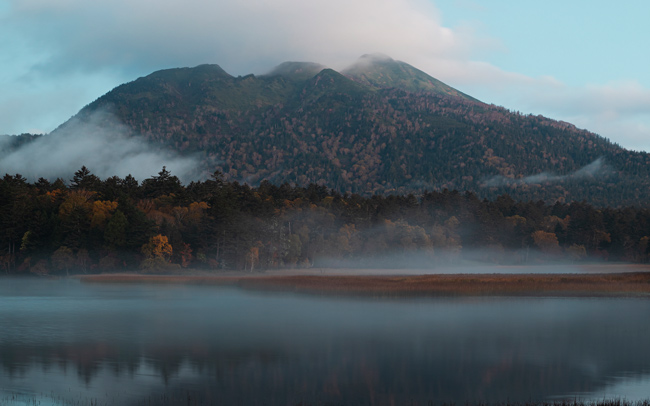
(159, 225)
(356, 137)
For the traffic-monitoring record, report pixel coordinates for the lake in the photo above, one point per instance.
(65, 342)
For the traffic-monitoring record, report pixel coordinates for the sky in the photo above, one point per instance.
(585, 62)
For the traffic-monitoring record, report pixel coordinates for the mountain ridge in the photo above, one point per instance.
(381, 71)
(379, 126)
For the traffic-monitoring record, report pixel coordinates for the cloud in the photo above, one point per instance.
(68, 44)
(619, 111)
(73, 43)
(611, 100)
(100, 143)
(242, 35)
(598, 167)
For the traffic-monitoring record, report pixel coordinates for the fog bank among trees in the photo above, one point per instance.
(92, 225)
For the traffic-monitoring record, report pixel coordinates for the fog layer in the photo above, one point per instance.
(132, 344)
(596, 168)
(101, 143)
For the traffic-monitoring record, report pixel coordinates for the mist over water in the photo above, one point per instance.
(124, 344)
(467, 261)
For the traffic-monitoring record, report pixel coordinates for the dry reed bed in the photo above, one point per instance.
(622, 284)
(464, 285)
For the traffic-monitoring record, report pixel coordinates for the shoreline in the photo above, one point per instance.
(621, 281)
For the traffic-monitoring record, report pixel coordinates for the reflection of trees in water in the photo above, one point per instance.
(355, 375)
(486, 350)
(354, 372)
(86, 359)
(90, 359)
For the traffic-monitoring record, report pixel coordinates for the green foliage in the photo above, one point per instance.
(115, 233)
(163, 184)
(83, 179)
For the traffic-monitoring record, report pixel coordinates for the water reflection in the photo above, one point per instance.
(629, 386)
(128, 343)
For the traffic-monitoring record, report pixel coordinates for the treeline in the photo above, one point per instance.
(94, 225)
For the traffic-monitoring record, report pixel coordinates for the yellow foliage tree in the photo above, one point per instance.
(77, 199)
(158, 247)
(157, 251)
(196, 211)
(102, 211)
(547, 242)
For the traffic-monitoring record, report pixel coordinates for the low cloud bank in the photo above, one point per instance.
(596, 168)
(468, 261)
(101, 143)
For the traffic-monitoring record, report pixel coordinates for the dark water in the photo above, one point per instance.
(64, 342)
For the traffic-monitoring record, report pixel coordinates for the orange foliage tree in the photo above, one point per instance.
(158, 252)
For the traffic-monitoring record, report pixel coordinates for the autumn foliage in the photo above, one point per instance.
(160, 225)
(391, 134)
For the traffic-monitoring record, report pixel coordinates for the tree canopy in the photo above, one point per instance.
(162, 225)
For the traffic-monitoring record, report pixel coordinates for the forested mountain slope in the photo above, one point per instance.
(380, 126)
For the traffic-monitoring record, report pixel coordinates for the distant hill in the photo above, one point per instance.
(379, 126)
(10, 143)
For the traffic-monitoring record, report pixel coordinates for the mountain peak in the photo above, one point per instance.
(381, 71)
(212, 71)
(375, 57)
(297, 70)
(370, 62)
(353, 132)
(329, 81)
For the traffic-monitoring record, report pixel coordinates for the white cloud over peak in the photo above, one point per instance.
(71, 44)
(243, 34)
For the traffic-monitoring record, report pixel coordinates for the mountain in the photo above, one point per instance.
(381, 71)
(297, 70)
(379, 126)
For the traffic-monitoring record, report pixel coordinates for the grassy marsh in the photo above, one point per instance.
(609, 284)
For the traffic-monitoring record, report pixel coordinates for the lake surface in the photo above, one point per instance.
(66, 342)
